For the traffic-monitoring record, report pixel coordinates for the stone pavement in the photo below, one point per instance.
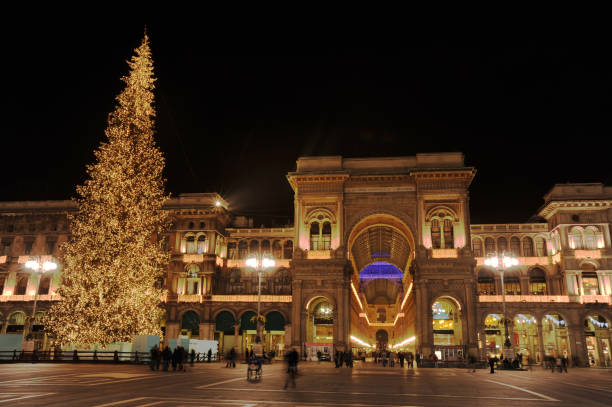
(317, 385)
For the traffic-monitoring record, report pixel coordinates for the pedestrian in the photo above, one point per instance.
(319, 356)
(192, 357)
(472, 363)
(154, 351)
(233, 358)
(175, 357)
(292, 358)
(181, 359)
(492, 365)
(209, 354)
(564, 363)
(400, 355)
(158, 360)
(167, 355)
(349, 359)
(418, 359)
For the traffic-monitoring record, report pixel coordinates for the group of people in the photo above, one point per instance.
(341, 357)
(387, 358)
(167, 357)
(556, 363)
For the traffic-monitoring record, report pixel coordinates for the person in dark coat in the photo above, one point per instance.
(209, 355)
(154, 351)
(400, 356)
(175, 357)
(192, 356)
(292, 358)
(167, 355)
(492, 364)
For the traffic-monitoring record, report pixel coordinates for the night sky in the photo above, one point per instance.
(235, 113)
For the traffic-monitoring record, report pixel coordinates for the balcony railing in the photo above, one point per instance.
(443, 253)
(46, 297)
(190, 298)
(583, 299)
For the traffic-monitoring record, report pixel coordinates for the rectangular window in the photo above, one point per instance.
(436, 238)
(512, 287)
(27, 246)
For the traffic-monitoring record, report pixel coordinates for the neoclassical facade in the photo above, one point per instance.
(381, 253)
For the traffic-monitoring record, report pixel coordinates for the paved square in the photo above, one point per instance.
(317, 385)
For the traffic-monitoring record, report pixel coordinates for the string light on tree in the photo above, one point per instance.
(114, 258)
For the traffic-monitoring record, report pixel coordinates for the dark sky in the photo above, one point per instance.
(234, 114)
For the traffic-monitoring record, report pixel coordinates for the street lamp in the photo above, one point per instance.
(502, 263)
(259, 263)
(39, 267)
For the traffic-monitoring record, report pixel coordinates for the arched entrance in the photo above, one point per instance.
(597, 333)
(526, 338)
(494, 336)
(320, 328)
(447, 329)
(224, 331)
(382, 339)
(275, 333)
(554, 336)
(190, 324)
(380, 251)
(248, 330)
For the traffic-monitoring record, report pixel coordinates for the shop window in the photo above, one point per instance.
(527, 247)
(477, 247)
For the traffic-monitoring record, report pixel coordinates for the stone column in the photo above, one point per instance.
(525, 285)
(540, 339)
(207, 330)
(296, 314)
(172, 330)
(577, 343)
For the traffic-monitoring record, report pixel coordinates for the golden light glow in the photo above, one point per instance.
(406, 296)
(114, 259)
(360, 342)
(356, 296)
(405, 342)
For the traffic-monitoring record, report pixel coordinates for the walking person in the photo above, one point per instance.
(154, 351)
(175, 358)
(192, 356)
(400, 355)
(292, 358)
(233, 357)
(564, 363)
(209, 354)
(418, 359)
(167, 355)
(492, 365)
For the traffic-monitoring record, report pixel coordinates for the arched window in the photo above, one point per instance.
(243, 249)
(527, 247)
(486, 282)
(575, 238)
(436, 236)
(277, 250)
(43, 287)
(477, 247)
(254, 247)
(590, 282)
(541, 247)
(449, 234)
(314, 236)
(512, 283)
(202, 244)
(515, 246)
(22, 285)
(326, 236)
(502, 245)
(537, 282)
(288, 250)
(590, 237)
(265, 247)
(231, 250)
(16, 322)
(190, 244)
(489, 246)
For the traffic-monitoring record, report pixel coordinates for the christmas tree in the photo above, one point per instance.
(114, 258)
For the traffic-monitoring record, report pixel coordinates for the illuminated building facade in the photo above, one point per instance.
(381, 253)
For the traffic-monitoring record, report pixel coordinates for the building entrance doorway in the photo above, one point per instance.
(382, 339)
(597, 333)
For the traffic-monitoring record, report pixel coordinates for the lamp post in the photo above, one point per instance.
(259, 263)
(39, 267)
(502, 263)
